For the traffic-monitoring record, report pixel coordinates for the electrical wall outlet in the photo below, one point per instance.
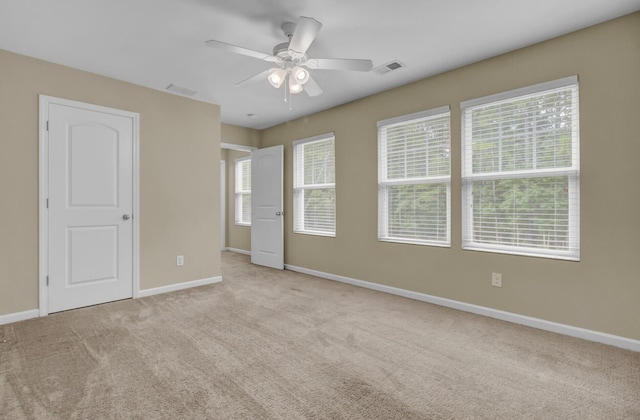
(180, 260)
(496, 279)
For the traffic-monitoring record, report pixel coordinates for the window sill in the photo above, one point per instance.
(523, 253)
(313, 233)
(415, 242)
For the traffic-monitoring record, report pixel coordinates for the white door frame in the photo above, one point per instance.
(223, 204)
(43, 187)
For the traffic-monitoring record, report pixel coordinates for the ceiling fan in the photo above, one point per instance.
(291, 61)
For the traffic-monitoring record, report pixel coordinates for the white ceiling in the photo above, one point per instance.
(155, 43)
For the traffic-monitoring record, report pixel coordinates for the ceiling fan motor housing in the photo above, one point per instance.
(288, 56)
(280, 50)
(283, 51)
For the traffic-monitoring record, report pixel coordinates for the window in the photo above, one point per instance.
(314, 191)
(414, 178)
(521, 171)
(243, 191)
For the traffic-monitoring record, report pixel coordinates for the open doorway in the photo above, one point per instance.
(236, 232)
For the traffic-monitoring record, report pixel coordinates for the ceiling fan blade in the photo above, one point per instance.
(312, 88)
(258, 77)
(339, 64)
(306, 31)
(242, 51)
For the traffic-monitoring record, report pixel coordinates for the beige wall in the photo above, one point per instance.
(241, 136)
(601, 291)
(179, 179)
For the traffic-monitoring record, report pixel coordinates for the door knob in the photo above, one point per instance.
(126, 217)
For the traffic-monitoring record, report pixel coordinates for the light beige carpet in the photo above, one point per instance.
(266, 344)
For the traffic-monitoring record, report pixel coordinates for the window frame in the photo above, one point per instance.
(298, 189)
(384, 182)
(240, 192)
(572, 173)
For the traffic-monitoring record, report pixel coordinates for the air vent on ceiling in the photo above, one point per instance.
(386, 68)
(181, 90)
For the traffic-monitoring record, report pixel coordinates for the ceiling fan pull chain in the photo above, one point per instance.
(290, 102)
(287, 94)
(286, 85)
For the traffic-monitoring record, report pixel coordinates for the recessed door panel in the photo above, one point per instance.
(93, 166)
(93, 254)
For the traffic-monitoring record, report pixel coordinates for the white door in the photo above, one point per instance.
(267, 240)
(90, 193)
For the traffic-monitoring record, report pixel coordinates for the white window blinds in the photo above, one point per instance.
(520, 171)
(243, 191)
(314, 196)
(414, 181)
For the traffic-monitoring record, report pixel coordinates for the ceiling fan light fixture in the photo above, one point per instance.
(294, 87)
(300, 75)
(276, 77)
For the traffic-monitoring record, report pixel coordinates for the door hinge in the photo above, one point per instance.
(47, 125)
(47, 280)
(47, 203)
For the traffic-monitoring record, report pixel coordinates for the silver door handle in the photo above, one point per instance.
(126, 217)
(277, 213)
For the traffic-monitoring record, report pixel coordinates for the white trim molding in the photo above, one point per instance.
(35, 313)
(237, 147)
(238, 251)
(416, 115)
(223, 204)
(514, 93)
(43, 191)
(19, 316)
(179, 286)
(585, 334)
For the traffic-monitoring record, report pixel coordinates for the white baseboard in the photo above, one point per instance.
(35, 313)
(19, 316)
(239, 251)
(179, 286)
(590, 335)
